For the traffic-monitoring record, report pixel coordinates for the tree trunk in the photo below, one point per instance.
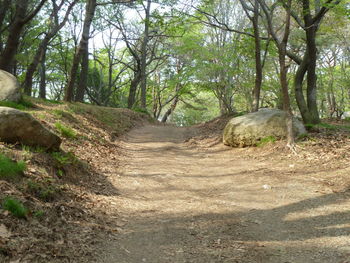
(311, 75)
(40, 53)
(170, 110)
(83, 45)
(42, 86)
(144, 45)
(258, 63)
(298, 86)
(282, 53)
(132, 91)
(79, 96)
(311, 93)
(12, 43)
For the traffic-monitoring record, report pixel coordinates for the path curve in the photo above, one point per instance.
(180, 203)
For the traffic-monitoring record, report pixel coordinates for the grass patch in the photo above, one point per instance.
(21, 105)
(15, 207)
(63, 159)
(45, 192)
(53, 101)
(327, 126)
(34, 149)
(10, 169)
(141, 110)
(58, 113)
(266, 140)
(66, 131)
(39, 214)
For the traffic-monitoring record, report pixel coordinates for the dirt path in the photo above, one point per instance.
(179, 203)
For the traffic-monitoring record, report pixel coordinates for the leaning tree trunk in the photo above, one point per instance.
(39, 55)
(83, 45)
(171, 109)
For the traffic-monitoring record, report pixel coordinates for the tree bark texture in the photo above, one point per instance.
(79, 96)
(42, 85)
(133, 88)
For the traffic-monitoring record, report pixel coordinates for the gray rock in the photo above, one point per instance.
(249, 129)
(17, 126)
(9, 87)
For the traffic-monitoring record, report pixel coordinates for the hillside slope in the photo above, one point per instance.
(62, 190)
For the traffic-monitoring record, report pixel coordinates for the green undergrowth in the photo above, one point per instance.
(46, 191)
(22, 105)
(15, 207)
(10, 169)
(46, 102)
(120, 120)
(65, 130)
(327, 126)
(63, 158)
(141, 110)
(266, 140)
(59, 113)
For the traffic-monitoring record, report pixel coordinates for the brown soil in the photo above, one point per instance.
(169, 194)
(180, 202)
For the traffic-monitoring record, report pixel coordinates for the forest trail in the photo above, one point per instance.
(181, 203)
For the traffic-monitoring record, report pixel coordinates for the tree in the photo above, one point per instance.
(310, 22)
(81, 50)
(21, 18)
(54, 26)
(254, 18)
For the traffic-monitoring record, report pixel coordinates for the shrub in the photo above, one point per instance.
(15, 207)
(65, 131)
(10, 169)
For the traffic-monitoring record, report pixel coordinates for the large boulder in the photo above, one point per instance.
(17, 126)
(9, 87)
(249, 129)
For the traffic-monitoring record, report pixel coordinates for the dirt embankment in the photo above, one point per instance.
(167, 194)
(64, 191)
